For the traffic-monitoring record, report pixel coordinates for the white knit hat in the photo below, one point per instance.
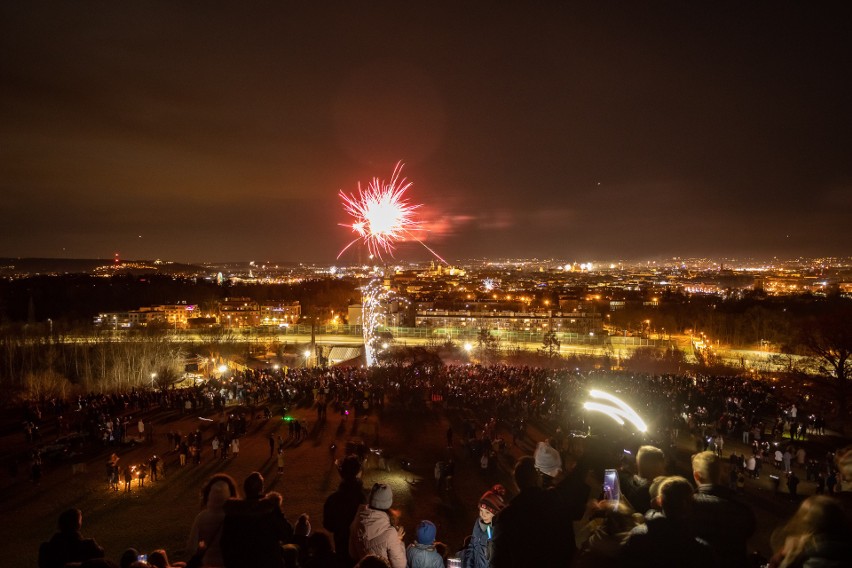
(547, 459)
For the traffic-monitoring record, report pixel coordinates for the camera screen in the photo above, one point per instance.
(611, 489)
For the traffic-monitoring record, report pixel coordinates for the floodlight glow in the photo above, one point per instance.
(621, 409)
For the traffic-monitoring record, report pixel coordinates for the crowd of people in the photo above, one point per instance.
(700, 523)
(649, 519)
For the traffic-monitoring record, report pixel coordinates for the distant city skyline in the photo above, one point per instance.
(199, 133)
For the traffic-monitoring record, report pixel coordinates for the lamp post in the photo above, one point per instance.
(153, 376)
(307, 354)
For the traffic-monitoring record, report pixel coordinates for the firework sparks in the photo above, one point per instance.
(382, 216)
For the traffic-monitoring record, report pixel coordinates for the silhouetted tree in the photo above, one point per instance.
(828, 336)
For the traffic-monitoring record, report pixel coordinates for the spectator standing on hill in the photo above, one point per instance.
(340, 508)
(254, 528)
(818, 536)
(481, 547)
(666, 540)
(650, 464)
(537, 527)
(68, 545)
(719, 518)
(422, 553)
(206, 531)
(374, 530)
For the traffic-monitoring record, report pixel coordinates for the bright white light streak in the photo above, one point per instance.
(608, 410)
(623, 409)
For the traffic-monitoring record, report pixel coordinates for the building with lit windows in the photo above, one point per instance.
(582, 323)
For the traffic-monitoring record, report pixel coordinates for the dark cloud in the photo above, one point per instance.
(223, 132)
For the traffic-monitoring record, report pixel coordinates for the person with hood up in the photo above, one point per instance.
(206, 533)
(374, 530)
(480, 549)
(254, 528)
(422, 553)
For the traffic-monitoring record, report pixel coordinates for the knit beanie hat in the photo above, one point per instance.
(381, 497)
(547, 459)
(493, 500)
(426, 532)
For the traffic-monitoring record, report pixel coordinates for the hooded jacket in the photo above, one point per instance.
(208, 526)
(372, 533)
(252, 533)
(423, 556)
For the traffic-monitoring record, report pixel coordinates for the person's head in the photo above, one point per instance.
(253, 485)
(303, 525)
(650, 462)
(525, 473)
(707, 468)
(620, 519)
(491, 503)
(547, 459)
(159, 559)
(70, 520)
(319, 544)
(350, 468)
(381, 497)
(290, 555)
(218, 489)
(654, 491)
(128, 557)
(372, 561)
(676, 497)
(426, 532)
(275, 498)
(818, 514)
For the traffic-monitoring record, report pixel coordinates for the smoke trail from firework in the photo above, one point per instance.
(372, 296)
(381, 216)
(375, 303)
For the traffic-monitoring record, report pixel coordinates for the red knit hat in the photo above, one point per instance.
(493, 500)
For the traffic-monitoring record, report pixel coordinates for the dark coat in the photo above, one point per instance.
(663, 543)
(339, 510)
(65, 547)
(253, 532)
(480, 549)
(725, 523)
(536, 528)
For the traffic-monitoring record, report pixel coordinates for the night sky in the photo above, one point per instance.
(204, 131)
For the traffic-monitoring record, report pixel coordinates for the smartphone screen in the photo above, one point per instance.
(142, 558)
(611, 489)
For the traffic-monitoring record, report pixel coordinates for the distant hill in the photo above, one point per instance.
(34, 266)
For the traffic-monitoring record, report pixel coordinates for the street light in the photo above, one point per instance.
(468, 347)
(153, 376)
(307, 354)
(223, 369)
